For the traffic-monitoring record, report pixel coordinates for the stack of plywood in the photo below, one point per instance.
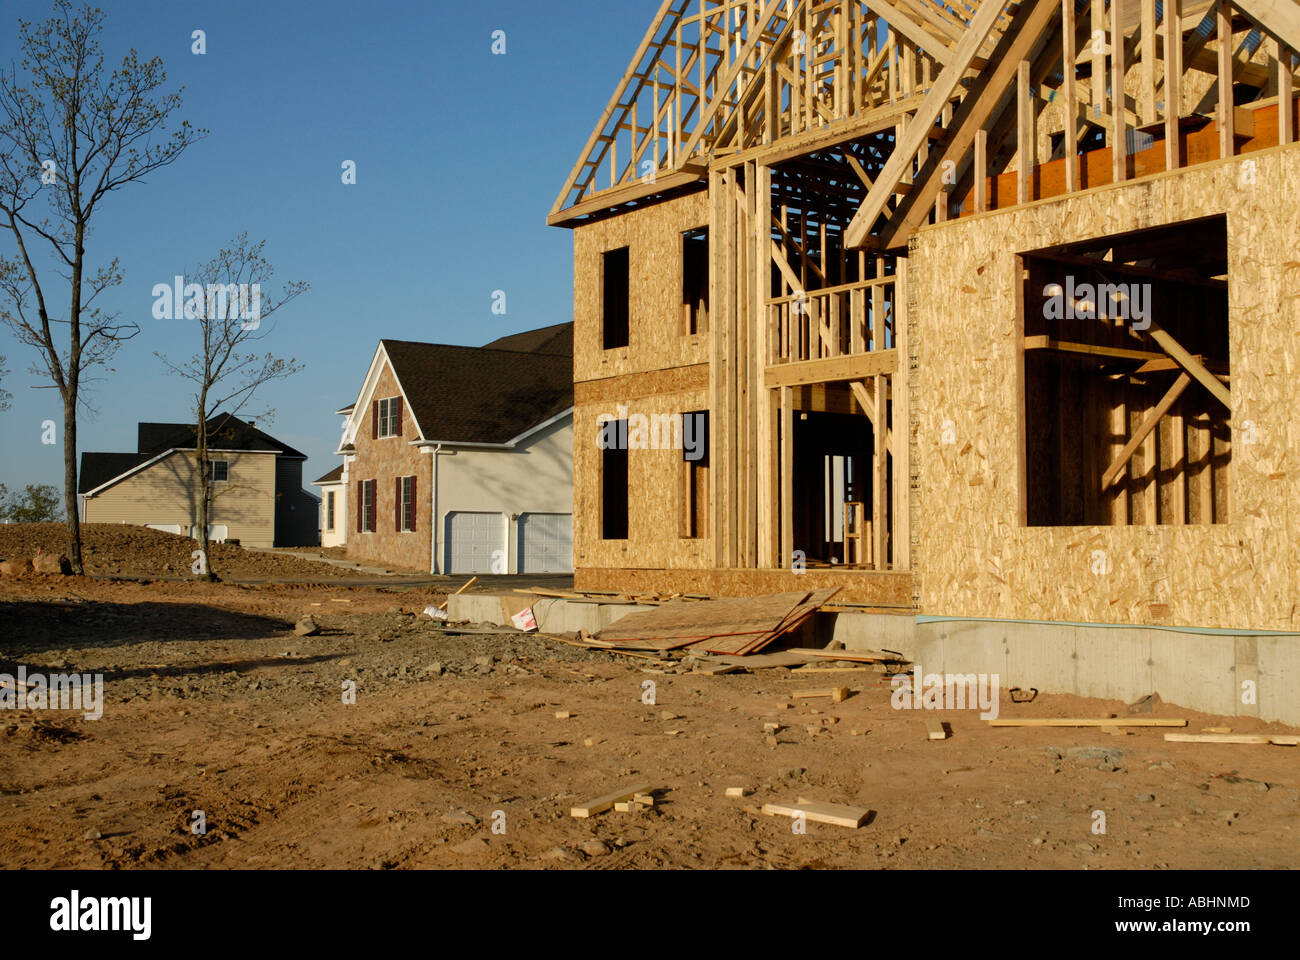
(737, 626)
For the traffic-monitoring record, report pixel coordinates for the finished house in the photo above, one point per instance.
(459, 460)
(257, 495)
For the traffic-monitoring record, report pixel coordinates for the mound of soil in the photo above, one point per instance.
(129, 551)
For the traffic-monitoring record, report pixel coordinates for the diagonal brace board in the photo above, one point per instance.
(1149, 424)
(1191, 364)
(920, 129)
(1278, 17)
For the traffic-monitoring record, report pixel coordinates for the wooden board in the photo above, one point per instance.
(1087, 722)
(855, 656)
(601, 804)
(832, 813)
(1278, 739)
(936, 729)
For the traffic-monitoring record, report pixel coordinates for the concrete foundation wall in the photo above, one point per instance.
(1199, 671)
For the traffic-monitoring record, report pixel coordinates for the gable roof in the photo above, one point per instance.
(334, 476)
(154, 440)
(98, 469)
(556, 340)
(479, 394)
(225, 432)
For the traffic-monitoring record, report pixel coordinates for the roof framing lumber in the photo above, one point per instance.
(1281, 18)
(918, 132)
(1032, 19)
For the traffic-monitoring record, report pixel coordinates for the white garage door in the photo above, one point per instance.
(165, 527)
(546, 543)
(474, 540)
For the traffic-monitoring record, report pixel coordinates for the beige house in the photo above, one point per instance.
(333, 508)
(257, 495)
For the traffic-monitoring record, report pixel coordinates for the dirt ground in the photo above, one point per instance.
(129, 551)
(452, 756)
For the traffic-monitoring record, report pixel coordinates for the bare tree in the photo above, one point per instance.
(5, 395)
(227, 298)
(72, 132)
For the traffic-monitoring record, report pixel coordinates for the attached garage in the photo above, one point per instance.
(474, 541)
(545, 543)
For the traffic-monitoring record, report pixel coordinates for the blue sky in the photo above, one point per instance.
(459, 157)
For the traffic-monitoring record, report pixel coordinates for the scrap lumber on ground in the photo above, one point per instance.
(735, 626)
(1277, 739)
(601, 804)
(833, 813)
(1085, 722)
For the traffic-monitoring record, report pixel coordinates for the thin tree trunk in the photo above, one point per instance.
(70, 484)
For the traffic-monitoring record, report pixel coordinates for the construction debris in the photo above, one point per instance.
(832, 813)
(936, 728)
(735, 626)
(1085, 722)
(601, 804)
(837, 694)
(1277, 739)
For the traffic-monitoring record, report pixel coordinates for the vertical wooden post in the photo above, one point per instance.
(718, 186)
(880, 474)
(1223, 38)
(1147, 94)
(1119, 129)
(901, 424)
(1173, 84)
(1097, 21)
(1069, 107)
(1178, 463)
(982, 169)
(787, 477)
(1284, 94)
(1025, 143)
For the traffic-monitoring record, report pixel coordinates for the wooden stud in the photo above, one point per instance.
(787, 477)
(1025, 143)
(1147, 61)
(1223, 39)
(1285, 95)
(1069, 108)
(982, 168)
(1118, 129)
(1173, 84)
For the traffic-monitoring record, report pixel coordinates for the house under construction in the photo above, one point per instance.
(992, 311)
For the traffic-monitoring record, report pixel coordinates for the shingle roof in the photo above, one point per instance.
(556, 340)
(224, 433)
(334, 476)
(99, 468)
(480, 394)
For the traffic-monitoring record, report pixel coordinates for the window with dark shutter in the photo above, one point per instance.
(397, 417)
(374, 420)
(413, 503)
(397, 505)
(361, 506)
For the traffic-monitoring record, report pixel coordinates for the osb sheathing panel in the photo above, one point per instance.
(653, 236)
(975, 560)
(654, 489)
(887, 589)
